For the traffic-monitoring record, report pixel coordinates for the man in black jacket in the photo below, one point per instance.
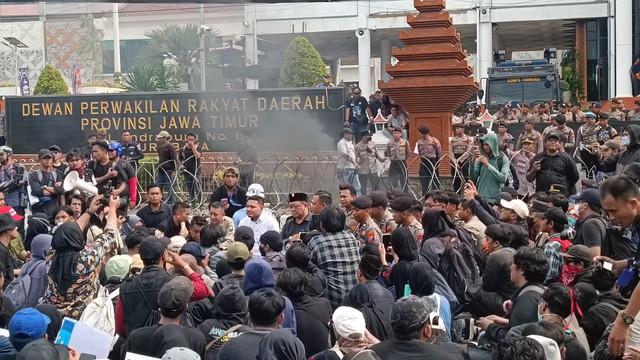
(298, 256)
(368, 273)
(553, 166)
(232, 195)
(528, 271)
(46, 185)
(591, 227)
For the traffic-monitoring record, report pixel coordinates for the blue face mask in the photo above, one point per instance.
(625, 140)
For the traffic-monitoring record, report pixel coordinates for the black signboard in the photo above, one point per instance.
(279, 119)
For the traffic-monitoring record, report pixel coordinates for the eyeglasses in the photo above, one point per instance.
(356, 93)
(295, 205)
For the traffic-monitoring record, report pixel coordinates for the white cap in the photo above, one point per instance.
(255, 190)
(180, 353)
(349, 323)
(518, 206)
(551, 349)
(176, 243)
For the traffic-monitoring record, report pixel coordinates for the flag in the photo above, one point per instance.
(25, 86)
(76, 80)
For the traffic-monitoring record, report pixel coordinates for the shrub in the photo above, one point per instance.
(51, 82)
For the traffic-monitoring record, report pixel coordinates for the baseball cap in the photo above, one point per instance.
(326, 76)
(590, 196)
(550, 347)
(554, 214)
(55, 148)
(518, 206)
(538, 206)
(118, 266)
(180, 353)
(612, 144)
(596, 105)
(163, 134)
(174, 296)
(255, 190)
(632, 170)
(552, 134)
(243, 234)
(27, 325)
(273, 239)
(237, 252)
(11, 211)
(409, 313)
(176, 243)
(349, 323)
(43, 349)
(6, 149)
(7, 222)
(44, 153)
(193, 248)
(152, 248)
(580, 252)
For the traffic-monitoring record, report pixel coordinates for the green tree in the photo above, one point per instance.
(303, 65)
(50, 82)
(150, 78)
(91, 45)
(180, 45)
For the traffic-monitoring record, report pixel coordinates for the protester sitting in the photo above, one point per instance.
(361, 298)
(173, 299)
(133, 240)
(527, 273)
(312, 314)
(404, 246)
(591, 226)
(27, 325)
(55, 318)
(422, 281)
(298, 256)
(576, 259)
(237, 256)
(45, 350)
(553, 222)
(412, 332)
(496, 283)
(368, 273)
(243, 234)
(211, 236)
(471, 223)
(265, 315)
(230, 312)
(281, 344)
(271, 250)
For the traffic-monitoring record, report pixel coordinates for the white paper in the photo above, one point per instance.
(607, 265)
(84, 338)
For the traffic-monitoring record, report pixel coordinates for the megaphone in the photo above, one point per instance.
(73, 182)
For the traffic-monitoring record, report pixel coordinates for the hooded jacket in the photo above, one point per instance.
(312, 316)
(632, 154)
(37, 268)
(599, 316)
(258, 275)
(404, 245)
(230, 309)
(489, 179)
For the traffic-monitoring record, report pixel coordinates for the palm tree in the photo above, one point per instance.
(150, 78)
(181, 44)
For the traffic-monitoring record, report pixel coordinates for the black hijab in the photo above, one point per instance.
(280, 344)
(421, 279)
(37, 224)
(359, 297)
(434, 223)
(404, 244)
(68, 241)
(52, 313)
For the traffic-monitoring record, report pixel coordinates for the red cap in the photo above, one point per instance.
(9, 210)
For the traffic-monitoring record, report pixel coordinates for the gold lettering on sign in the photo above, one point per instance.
(180, 122)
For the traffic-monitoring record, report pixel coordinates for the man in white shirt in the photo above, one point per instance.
(346, 166)
(258, 220)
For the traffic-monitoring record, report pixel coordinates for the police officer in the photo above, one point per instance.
(402, 215)
(530, 133)
(397, 151)
(131, 150)
(368, 231)
(300, 217)
(430, 151)
(380, 212)
(460, 149)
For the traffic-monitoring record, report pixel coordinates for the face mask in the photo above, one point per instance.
(625, 140)
(539, 316)
(568, 274)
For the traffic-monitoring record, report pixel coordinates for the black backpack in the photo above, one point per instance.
(512, 169)
(616, 244)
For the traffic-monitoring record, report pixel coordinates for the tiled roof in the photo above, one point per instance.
(146, 9)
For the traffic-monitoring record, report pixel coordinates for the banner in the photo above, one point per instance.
(76, 81)
(278, 119)
(25, 86)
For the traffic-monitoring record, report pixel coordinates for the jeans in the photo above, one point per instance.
(428, 174)
(398, 174)
(357, 130)
(165, 179)
(348, 176)
(192, 183)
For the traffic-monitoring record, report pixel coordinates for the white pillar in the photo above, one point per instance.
(251, 43)
(385, 58)
(364, 49)
(484, 52)
(116, 39)
(624, 47)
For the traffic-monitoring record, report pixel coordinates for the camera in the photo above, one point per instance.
(360, 32)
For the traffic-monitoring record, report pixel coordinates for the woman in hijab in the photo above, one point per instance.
(434, 223)
(53, 314)
(38, 224)
(423, 284)
(280, 344)
(36, 268)
(74, 264)
(405, 248)
(230, 309)
(130, 225)
(359, 297)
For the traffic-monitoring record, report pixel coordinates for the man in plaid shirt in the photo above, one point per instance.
(336, 253)
(553, 222)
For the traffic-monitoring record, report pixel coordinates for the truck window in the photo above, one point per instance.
(501, 91)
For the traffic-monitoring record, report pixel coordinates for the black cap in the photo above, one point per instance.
(43, 349)
(378, 198)
(538, 206)
(273, 239)
(193, 248)
(326, 76)
(298, 197)
(557, 189)
(362, 202)
(174, 296)
(556, 215)
(508, 189)
(44, 153)
(7, 222)
(580, 252)
(152, 248)
(402, 203)
(55, 148)
(243, 233)
(423, 129)
(366, 133)
(552, 134)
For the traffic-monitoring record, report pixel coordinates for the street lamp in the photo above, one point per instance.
(16, 44)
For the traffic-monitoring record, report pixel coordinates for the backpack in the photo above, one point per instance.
(18, 290)
(512, 170)
(616, 244)
(99, 313)
(465, 237)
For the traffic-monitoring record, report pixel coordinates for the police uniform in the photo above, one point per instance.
(533, 135)
(398, 151)
(386, 224)
(404, 203)
(132, 153)
(616, 115)
(291, 226)
(430, 152)
(351, 224)
(367, 232)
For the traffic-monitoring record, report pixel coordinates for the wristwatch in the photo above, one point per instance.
(628, 319)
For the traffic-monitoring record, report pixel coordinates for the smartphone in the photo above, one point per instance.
(303, 234)
(224, 201)
(386, 240)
